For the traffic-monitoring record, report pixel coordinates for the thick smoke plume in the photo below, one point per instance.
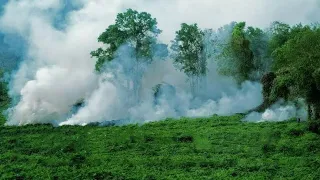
(280, 111)
(58, 71)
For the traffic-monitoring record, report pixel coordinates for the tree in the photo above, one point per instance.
(299, 59)
(280, 33)
(188, 51)
(259, 47)
(138, 30)
(237, 59)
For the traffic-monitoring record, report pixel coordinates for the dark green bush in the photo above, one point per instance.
(267, 148)
(148, 139)
(296, 132)
(314, 126)
(184, 139)
(77, 160)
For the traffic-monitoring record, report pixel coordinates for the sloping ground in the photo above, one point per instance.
(211, 148)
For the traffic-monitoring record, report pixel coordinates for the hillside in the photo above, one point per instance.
(208, 148)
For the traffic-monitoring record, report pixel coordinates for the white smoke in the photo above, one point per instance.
(113, 101)
(58, 71)
(280, 111)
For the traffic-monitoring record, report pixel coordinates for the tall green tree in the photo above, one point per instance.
(137, 29)
(279, 34)
(139, 32)
(237, 59)
(188, 51)
(259, 46)
(280, 83)
(299, 59)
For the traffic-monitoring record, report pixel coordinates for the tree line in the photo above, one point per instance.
(284, 58)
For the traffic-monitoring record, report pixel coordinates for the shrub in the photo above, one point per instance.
(148, 139)
(267, 148)
(70, 148)
(149, 177)
(77, 160)
(314, 126)
(184, 139)
(296, 132)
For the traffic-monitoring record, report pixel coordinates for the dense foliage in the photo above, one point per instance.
(138, 30)
(297, 64)
(237, 57)
(188, 53)
(284, 58)
(188, 50)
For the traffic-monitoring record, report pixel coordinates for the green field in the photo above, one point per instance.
(208, 148)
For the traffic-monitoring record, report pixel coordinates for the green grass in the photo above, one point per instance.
(208, 148)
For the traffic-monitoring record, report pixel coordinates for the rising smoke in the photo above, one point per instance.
(280, 111)
(58, 72)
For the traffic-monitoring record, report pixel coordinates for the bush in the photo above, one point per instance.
(276, 134)
(184, 139)
(149, 177)
(267, 148)
(296, 132)
(148, 139)
(77, 160)
(314, 126)
(313, 147)
(70, 148)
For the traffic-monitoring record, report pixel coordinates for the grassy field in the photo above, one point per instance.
(208, 148)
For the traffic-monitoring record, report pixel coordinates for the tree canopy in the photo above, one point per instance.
(188, 50)
(300, 57)
(237, 59)
(137, 29)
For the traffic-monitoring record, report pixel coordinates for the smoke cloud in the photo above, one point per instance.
(58, 72)
(280, 111)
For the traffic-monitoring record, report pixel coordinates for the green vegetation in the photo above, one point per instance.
(189, 55)
(208, 148)
(4, 97)
(297, 64)
(285, 59)
(138, 30)
(188, 50)
(237, 57)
